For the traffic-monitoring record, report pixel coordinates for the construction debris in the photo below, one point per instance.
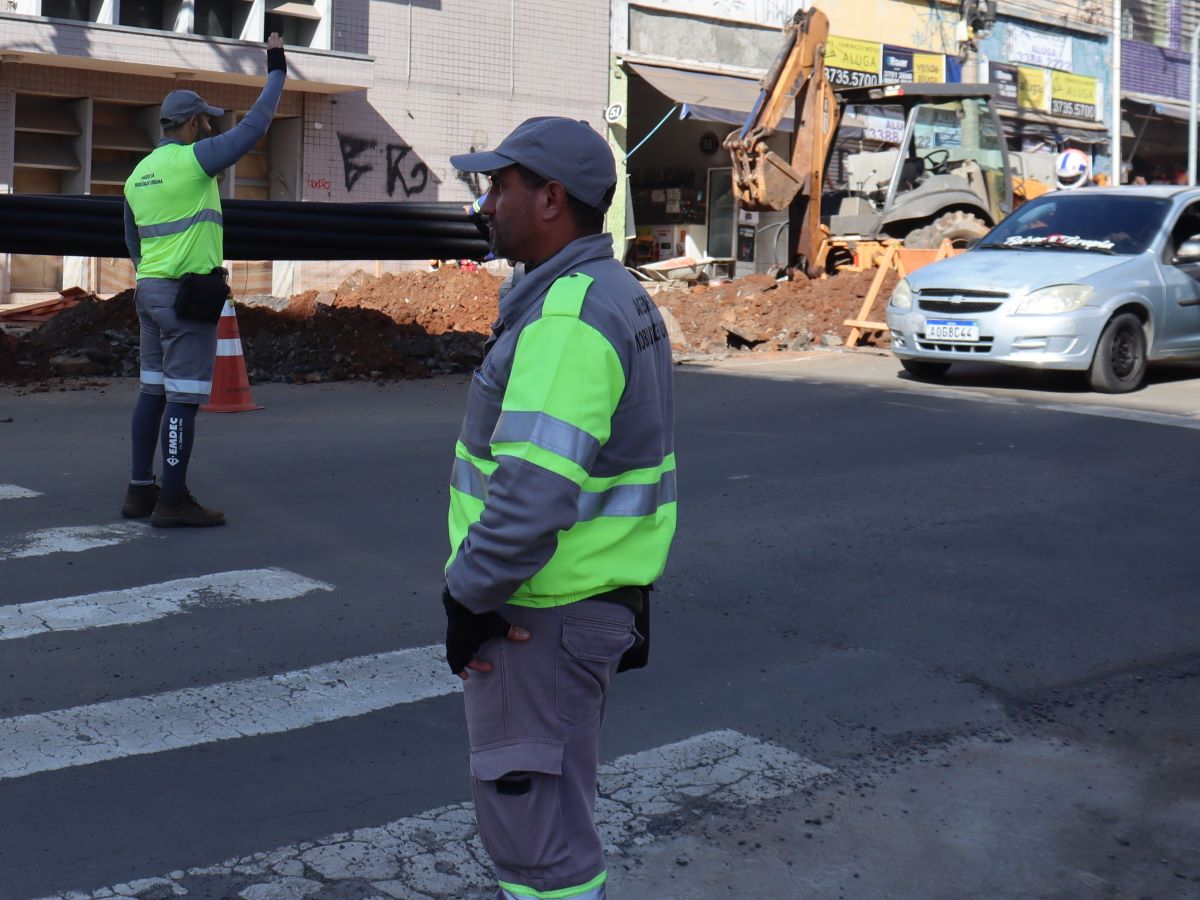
(37, 313)
(422, 323)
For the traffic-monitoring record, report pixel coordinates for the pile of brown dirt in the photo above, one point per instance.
(417, 324)
(448, 299)
(762, 314)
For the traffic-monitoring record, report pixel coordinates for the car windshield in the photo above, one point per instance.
(1084, 221)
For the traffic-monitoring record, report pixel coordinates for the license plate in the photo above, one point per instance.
(951, 330)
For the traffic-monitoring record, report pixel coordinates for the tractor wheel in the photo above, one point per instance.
(959, 227)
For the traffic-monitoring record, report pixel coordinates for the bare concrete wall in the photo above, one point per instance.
(715, 42)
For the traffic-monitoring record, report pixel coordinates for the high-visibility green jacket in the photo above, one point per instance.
(563, 484)
(177, 208)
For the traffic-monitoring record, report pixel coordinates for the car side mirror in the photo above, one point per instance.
(1189, 250)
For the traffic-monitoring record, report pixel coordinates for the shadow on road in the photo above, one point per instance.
(977, 375)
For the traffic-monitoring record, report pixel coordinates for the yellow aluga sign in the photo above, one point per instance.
(853, 54)
(1075, 92)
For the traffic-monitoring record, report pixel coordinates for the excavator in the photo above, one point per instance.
(918, 163)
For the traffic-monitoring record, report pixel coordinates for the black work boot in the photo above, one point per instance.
(140, 500)
(175, 512)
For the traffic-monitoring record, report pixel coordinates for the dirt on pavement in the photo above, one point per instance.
(421, 323)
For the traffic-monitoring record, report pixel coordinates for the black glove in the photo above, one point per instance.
(276, 61)
(467, 631)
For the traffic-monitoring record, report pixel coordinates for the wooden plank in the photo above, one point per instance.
(822, 255)
(864, 314)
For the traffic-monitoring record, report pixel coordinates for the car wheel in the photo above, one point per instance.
(924, 370)
(1119, 364)
(960, 227)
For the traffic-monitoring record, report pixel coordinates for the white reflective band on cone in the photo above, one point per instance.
(229, 347)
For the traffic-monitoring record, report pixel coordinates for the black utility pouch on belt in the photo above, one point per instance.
(202, 297)
(638, 656)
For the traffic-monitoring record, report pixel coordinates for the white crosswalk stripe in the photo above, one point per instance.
(133, 606)
(437, 853)
(72, 539)
(16, 492)
(44, 742)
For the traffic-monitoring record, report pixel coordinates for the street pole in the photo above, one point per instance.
(1114, 140)
(1192, 113)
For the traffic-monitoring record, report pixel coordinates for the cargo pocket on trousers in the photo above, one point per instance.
(586, 661)
(517, 804)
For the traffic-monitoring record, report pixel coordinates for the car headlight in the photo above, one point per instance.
(1056, 299)
(902, 295)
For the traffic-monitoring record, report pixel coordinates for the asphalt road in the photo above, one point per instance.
(949, 634)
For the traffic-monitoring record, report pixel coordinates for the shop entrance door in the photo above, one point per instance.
(722, 214)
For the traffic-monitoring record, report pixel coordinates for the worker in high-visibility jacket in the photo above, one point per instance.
(562, 507)
(173, 228)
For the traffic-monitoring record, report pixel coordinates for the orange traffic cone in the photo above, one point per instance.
(230, 386)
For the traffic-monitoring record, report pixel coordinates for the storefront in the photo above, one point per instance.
(680, 177)
(1155, 92)
(1050, 92)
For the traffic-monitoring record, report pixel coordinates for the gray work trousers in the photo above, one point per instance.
(534, 723)
(176, 355)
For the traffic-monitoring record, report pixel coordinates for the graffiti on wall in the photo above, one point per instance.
(471, 179)
(353, 147)
(359, 156)
(419, 173)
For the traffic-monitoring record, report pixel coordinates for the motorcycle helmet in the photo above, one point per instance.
(1071, 169)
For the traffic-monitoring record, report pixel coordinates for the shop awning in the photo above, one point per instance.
(1033, 124)
(1178, 111)
(708, 96)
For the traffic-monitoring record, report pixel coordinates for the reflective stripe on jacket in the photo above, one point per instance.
(177, 208)
(563, 483)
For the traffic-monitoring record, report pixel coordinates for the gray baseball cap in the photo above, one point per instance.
(568, 151)
(179, 106)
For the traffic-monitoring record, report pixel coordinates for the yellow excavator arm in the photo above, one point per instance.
(796, 84)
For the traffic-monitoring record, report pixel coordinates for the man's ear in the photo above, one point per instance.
(555, 204)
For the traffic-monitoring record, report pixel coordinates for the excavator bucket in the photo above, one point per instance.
(765, 180)
(762, 179)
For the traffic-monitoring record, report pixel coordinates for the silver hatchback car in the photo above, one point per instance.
(1102, 280)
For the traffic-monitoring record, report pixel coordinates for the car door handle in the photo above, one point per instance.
(1194, 301)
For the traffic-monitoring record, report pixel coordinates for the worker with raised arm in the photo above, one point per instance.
(173, 229)
(562, 507)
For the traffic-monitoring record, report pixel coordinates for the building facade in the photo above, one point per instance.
(1051, 61)
(379, 94)
(685, 73)
(1156, 87)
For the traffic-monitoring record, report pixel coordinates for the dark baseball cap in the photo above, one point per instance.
(568, 151)
(179, 106)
